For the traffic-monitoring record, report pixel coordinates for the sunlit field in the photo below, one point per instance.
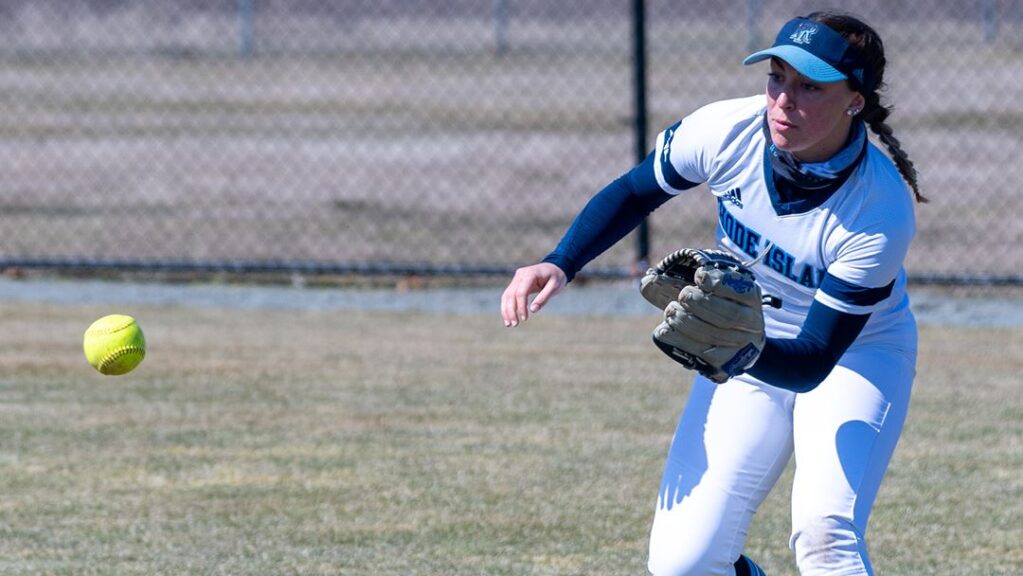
(272, 442)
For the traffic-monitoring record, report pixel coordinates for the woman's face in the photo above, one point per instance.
(807, 118)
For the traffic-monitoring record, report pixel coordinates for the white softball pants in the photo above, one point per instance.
(734, 440)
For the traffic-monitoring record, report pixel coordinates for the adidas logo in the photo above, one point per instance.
(734, 196)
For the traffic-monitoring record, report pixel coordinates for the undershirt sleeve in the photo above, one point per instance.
(801, 363)
(609, 216)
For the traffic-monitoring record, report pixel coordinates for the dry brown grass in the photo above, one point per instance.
(269, 442)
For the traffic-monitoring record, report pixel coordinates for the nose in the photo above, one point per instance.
(784, 100)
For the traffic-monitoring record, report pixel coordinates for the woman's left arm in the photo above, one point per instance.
(801, 363)
(858, 282)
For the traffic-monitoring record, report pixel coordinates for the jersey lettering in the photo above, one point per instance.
(777, 259)
(746, 239)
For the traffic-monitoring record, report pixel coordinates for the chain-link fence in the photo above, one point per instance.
(441, 136)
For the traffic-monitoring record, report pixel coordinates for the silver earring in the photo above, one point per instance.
(852, 111)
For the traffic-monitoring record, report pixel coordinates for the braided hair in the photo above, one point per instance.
(874, 112)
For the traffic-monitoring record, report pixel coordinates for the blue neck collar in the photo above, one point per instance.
(795, 187)
(817, 175)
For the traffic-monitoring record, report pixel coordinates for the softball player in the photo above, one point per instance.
(828, 217)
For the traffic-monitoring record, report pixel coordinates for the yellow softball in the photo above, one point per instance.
(114, 344)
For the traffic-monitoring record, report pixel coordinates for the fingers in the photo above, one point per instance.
(510, 312)
(721, 311)
(659, 289)
(695, 329)
(552, 287)
(730, 284)
(515, 298)
(543, 279)
(686, 351)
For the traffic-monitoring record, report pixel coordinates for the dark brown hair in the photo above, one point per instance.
(874, 113)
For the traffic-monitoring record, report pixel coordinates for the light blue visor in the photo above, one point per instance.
(805, 63)
(818, 53)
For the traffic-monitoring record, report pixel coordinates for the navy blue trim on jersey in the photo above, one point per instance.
(801, 363)
(852, 294)
(671, 175)
(746, 567)
(608, 217)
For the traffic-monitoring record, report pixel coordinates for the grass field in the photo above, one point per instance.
(269, 442)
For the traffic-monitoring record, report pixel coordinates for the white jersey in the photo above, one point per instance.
(845, 249)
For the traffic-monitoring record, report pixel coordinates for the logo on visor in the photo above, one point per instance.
(803, 34)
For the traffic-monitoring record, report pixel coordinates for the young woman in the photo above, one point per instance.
(829, 216)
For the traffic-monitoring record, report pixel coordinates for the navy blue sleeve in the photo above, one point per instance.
(609, 216)
(801, 363)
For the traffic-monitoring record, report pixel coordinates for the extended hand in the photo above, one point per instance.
(543, 279)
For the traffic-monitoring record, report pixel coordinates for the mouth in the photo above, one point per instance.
(782, 124)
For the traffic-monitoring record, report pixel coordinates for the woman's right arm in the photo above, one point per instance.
(607, 218)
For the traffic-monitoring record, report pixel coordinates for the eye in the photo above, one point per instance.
(810, 87)
(774, 76)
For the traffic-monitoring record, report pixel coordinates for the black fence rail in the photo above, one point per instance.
(455, 137)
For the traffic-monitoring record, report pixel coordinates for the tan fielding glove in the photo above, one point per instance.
(713, 317)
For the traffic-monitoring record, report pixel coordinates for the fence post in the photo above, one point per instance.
(990, 20)
(246, 14)
(753, 25)
(499, 8)
(639, 78)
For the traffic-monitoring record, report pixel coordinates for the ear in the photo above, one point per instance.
(856, 104)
